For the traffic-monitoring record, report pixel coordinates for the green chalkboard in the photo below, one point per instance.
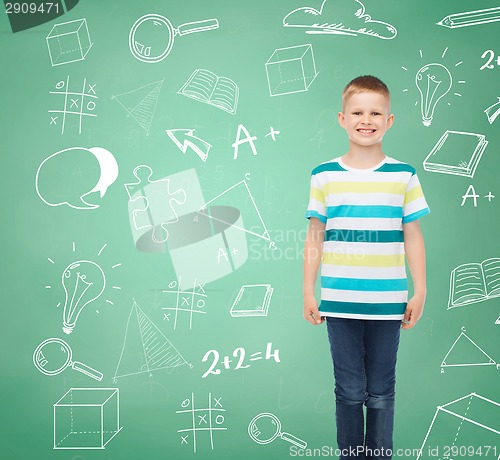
(156, 161)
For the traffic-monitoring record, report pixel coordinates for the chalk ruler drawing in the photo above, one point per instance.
(465, 352)
(160, 203)
(68, 163)
(184, 139)
(145, 348)
(327, 21)
(471, 18)
(74, 103)
(87, 418)
(206, 87)
(252, 300)
(291, 70)
(471, 420)
(151, 38)
(205, 420)
(474, 282)
(140, 103)
(456, 153)
(264, 428)
(54, 355)
(192, 301)
(68, 42)
(493, 111)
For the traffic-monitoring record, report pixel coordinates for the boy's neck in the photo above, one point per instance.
(363, 157)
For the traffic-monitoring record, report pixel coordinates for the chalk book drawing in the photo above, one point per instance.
(206, 87)
(474, 282)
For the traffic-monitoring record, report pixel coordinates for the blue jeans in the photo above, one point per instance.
(364, 361)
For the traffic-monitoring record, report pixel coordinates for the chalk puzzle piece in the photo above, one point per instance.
(155, 203)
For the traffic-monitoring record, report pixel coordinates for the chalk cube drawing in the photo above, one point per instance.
(291, 70)
(68, 42)
(86, 418)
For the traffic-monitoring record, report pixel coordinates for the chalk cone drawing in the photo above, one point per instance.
(184, 139)
(141, 103)
(291, 70)
(433, 81)
(145, 348)
(206, 87)
(471, 18)
(240, 189)
(465, 352)
(151, 38)
(326, 20)
(54, 355)
(252, 300)
(493, 111)
(68, 42)
(202, 420)
(153, 210)
(87, 418)
(456, 153)
(73, 170)
(471, 420)
(474, 282)
(264, 428)
(74, 104)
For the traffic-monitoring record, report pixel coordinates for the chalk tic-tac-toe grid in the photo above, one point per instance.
(203, 422)
(191, 301)
(73, 105)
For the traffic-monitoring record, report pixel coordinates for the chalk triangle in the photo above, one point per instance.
(464, 352)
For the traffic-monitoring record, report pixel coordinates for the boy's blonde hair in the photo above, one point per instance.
(364, 83)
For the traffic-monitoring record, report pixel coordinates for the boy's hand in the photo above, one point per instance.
(311, 312)
(413, 312)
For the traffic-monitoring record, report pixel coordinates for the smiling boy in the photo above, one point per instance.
(364, 208)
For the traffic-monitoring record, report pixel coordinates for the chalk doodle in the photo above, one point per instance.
(75, 104)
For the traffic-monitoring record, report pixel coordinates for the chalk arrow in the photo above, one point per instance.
(184, 139)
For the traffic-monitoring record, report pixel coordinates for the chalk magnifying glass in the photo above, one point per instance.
(265, 428)
(152, 36)
(54, 355)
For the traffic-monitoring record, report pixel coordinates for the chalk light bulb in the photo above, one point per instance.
(433, 81)
(83, 282)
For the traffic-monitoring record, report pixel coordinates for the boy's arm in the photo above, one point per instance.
(313, 250)
(415, 254)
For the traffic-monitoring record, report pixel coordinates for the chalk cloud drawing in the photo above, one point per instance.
(57, 183)
(327, 21)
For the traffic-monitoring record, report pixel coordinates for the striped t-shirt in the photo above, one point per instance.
(363, 273)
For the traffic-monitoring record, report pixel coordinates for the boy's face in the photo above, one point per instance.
(366, 118)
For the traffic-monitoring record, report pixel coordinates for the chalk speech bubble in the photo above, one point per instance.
(56, 185)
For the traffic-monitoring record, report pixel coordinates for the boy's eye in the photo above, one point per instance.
(377, 113)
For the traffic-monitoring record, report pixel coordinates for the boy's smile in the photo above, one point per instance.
(366, 118)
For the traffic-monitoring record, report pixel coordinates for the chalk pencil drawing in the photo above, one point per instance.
(471, 18)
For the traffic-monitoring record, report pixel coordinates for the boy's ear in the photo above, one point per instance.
(390, 121)
(341, 119)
